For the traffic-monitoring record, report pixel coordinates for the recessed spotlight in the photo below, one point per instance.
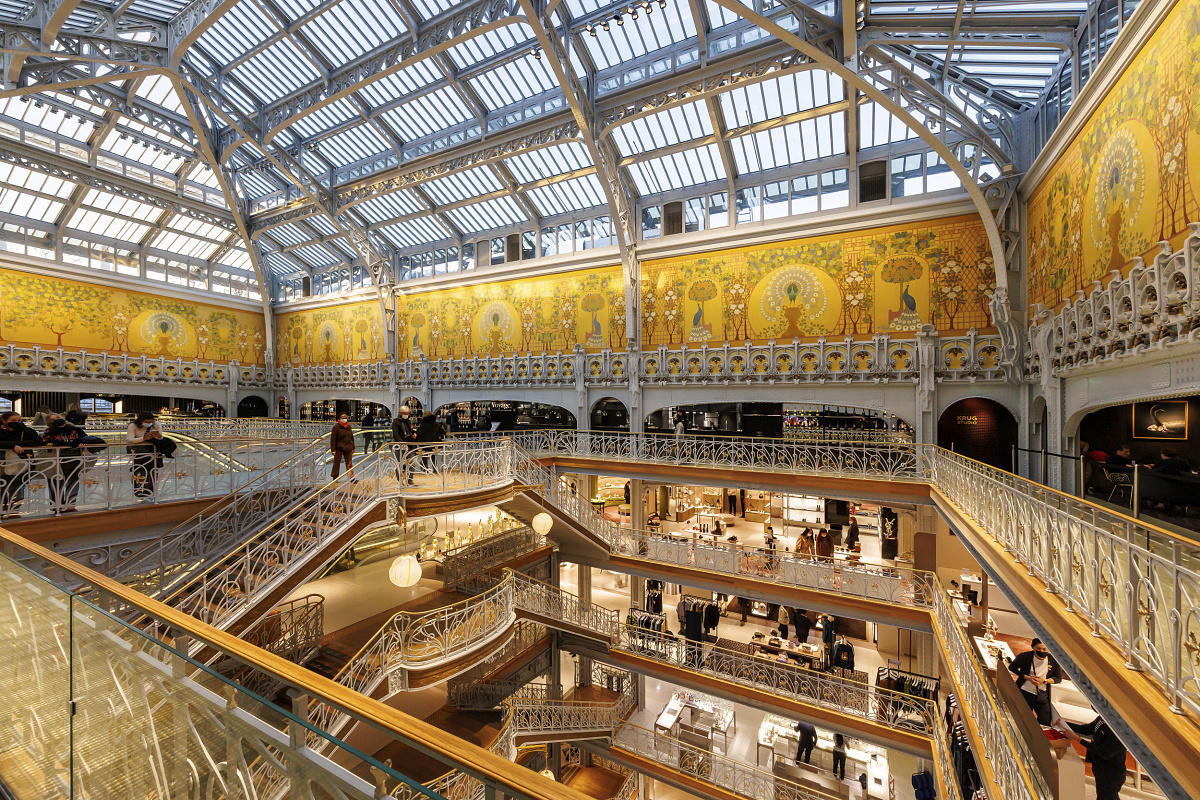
(605, 24)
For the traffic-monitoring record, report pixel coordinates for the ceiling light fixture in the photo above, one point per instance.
(591, 29)
(605, 24)
(620, 20)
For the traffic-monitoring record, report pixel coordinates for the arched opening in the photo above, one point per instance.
(609, 414)
(979, 428)
(328, 410)
(507, 415)
(415, 406)
(283, 408)
(780, 420)
(252, 406)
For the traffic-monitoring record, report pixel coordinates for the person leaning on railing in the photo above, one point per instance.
(403, 433)
(140, 441)
(17, 442)
(64, 481)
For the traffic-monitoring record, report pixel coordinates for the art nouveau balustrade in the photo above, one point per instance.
(477, 688)
(223, 427)
(105, 477)
(455, 467)
(62, 364)
(465, 563)
(972, 357)
(1155, 306)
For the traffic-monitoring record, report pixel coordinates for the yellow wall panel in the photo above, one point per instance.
(538, 315)
(890, 280)
(1129, 179)
(343, 334)
(58, 312)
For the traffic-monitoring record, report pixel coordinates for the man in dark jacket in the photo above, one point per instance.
(403, 433)
(808, 740)
(64, 482)
(17, 441)
(1105, 753)
(1036, 672)
(429, 433)
(341, 444)
(1171, 463)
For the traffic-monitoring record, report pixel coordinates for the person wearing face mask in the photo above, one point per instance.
(64, 484)
(140, 441)
(17, 441)
(403, 433)
(341, 444)
(1036, 671)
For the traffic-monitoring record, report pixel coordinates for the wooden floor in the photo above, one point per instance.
(592, 694)
(479, 728)
(596, 782)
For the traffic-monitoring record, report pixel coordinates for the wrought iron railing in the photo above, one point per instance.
(158, 567)
(463, 565)
(528, 471)
(457, 465)
(54, 481)
(552, 603)
(891, 585)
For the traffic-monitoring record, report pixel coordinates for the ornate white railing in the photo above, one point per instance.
(458, 465)
(60, 363)
(463, 565)
(970, 357)
(707, 766)
(552, 603)
(528, 471)
(533, 716)
(190, 546)
(54, 481)
(890, 585)
(420, 641)
(231, 585)
(889, 709)
(476, 689)
(1155, 306)
(222, 427)
(1135, 585)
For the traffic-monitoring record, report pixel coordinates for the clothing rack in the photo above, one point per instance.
(697, 616)
(654, 596)
(910, 683)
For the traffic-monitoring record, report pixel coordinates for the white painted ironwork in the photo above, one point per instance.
(457, 465)
(463, 565)
(123, 368)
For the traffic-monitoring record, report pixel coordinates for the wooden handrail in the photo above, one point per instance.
(459, 754)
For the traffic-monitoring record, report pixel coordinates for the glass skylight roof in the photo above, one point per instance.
(481, 129)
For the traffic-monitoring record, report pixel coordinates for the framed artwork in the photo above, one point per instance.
(1160, 419)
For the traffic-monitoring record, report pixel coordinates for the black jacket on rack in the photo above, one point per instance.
(843, 655)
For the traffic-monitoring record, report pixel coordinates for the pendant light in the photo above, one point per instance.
(542, 523)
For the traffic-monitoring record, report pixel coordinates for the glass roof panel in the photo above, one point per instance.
(568, 196)
(158, 9)
(352, 28)
(651, 31)
(428, 114)
(316, 122)
(43, 198)
(289, 234)
(94, 222)
(666, 128)
(317, 255)
(794, 143)
(500, 212)
(389, 206)
(391, 89)
(512, 82)
(678, 170)
(276, 71)
(416, 232)
(490, 43)
(356, 144)
(175, 242)
(462, 186)
(323, 224)
(777, 97)
(546, 162)
(239, 30)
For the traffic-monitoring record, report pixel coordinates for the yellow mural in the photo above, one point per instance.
(334, 335)
(890, 280)
(538, 315)
(1128, 180)
(56, 312)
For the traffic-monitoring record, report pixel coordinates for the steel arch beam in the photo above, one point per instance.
(1001, 310)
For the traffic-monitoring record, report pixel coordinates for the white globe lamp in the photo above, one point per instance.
(542, 523)
(405, 572)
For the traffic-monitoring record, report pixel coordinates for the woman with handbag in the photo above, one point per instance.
(140, 441)
(17, 441)
(65, 439)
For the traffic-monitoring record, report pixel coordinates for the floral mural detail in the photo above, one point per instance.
(1128, 179)
(57, 312)
(346, 334)
(889, 279)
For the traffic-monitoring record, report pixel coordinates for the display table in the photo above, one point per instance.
(988, 649)
(810, 778)
(779, 737)
(718, 715)
(791, 650)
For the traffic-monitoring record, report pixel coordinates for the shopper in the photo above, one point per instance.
(1106, 754)
(803, 624)
(824, 546)
(64, 481)
(784, 620)
(733, 502)
(806, 548)
(1122, 458)
(808, 740)
(1036, 672)
(483, 422)
(839, 756)
(341, 444)
(429, 433)
(140, 441)
(828, 633)
(404, 434)
(1171, 463)
(17, 442)
(75, 415)
(851, 534)
(744, 605)
(42, 417)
